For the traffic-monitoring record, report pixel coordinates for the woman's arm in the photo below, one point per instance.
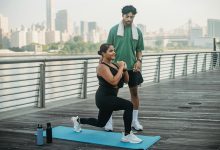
(126, 76)
(105, 73)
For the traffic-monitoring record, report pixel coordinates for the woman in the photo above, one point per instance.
(111, 77)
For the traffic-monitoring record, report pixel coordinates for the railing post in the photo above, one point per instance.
(204, 63)
(41, 100)
(84, 83)
(195, 64)
(173, 69)
(157, 74)
(185, 66)
(218, 59)
(212, 61)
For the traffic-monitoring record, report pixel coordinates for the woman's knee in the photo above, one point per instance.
(101, 124)
(130, 105)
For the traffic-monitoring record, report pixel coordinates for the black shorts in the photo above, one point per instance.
(135, 78)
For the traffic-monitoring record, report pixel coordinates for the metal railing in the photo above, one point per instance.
(36, 81)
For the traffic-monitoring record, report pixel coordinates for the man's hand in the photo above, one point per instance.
(137, 66)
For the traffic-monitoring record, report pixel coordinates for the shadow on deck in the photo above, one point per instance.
(185, 112)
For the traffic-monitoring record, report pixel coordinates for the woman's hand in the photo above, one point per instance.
(121, 64)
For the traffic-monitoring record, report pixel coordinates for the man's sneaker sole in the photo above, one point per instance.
(133, 128)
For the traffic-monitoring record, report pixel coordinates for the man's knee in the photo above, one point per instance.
(134, 92)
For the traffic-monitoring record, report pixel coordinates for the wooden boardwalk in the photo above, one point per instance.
(185, 112)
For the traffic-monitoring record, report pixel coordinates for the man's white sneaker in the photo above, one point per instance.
(131, 138)
(137, 126)
(76, 124)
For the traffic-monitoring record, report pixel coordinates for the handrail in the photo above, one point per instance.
(66, 58)
(51, 79)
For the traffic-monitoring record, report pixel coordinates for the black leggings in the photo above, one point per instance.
(107, 102)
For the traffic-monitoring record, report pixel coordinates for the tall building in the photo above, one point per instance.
(4, 24)
(41, 37)
(52, 37)
(18, 39)
(76, 29)
(213, 27)
(92, 26)
(50, 15)
(32, 37)
(195, 32)
(83, 28)
(4, 29)
(63, 22)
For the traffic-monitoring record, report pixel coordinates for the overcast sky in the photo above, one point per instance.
(155, 14)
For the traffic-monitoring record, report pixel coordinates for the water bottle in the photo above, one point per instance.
(40, 139)
(49, 133)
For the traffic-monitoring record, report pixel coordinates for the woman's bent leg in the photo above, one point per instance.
(103, 118)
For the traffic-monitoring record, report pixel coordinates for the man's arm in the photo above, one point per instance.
(140, 48)
(137, 65)
(139, 56)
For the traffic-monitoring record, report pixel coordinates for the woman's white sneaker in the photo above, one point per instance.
(131, 138)
(76, 124)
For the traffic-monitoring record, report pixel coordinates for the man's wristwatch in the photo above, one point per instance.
(139, 60)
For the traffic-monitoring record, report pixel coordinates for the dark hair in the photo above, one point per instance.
(103, 48)
(129, 8)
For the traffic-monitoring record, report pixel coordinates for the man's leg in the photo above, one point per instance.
(135, 100)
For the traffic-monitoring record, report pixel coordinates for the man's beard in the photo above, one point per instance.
(128, 23)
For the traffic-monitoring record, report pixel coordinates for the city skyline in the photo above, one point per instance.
(155, 14)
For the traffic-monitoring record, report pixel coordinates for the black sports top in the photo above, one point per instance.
(103, 82)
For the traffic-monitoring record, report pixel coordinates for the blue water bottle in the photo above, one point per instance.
(40, 139)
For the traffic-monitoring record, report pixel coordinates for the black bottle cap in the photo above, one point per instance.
(48, 124)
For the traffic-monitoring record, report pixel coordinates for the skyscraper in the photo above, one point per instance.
(4, 30)
(63, 23)
(4, 24)
(213, 27)
(83, 28)
(50, 15)
(92, 26)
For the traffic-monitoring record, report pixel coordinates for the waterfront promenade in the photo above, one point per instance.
(184, 111)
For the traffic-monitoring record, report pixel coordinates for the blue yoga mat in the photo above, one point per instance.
(101, 137)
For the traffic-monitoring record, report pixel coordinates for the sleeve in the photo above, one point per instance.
(110, 39)
(140, 44)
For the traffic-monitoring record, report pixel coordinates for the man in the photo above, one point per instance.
(128, 42)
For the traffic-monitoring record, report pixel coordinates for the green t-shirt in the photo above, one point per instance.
(125, 46)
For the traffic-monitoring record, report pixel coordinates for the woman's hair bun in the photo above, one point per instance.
(103, 48)
(99, 53)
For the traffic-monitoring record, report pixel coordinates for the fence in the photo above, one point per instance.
(37, 81)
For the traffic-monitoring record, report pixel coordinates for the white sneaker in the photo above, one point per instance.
(136, 125)
(131, 138)
(109, 127)
(76, 124)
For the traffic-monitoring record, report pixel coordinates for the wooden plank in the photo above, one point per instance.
(185, 112)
